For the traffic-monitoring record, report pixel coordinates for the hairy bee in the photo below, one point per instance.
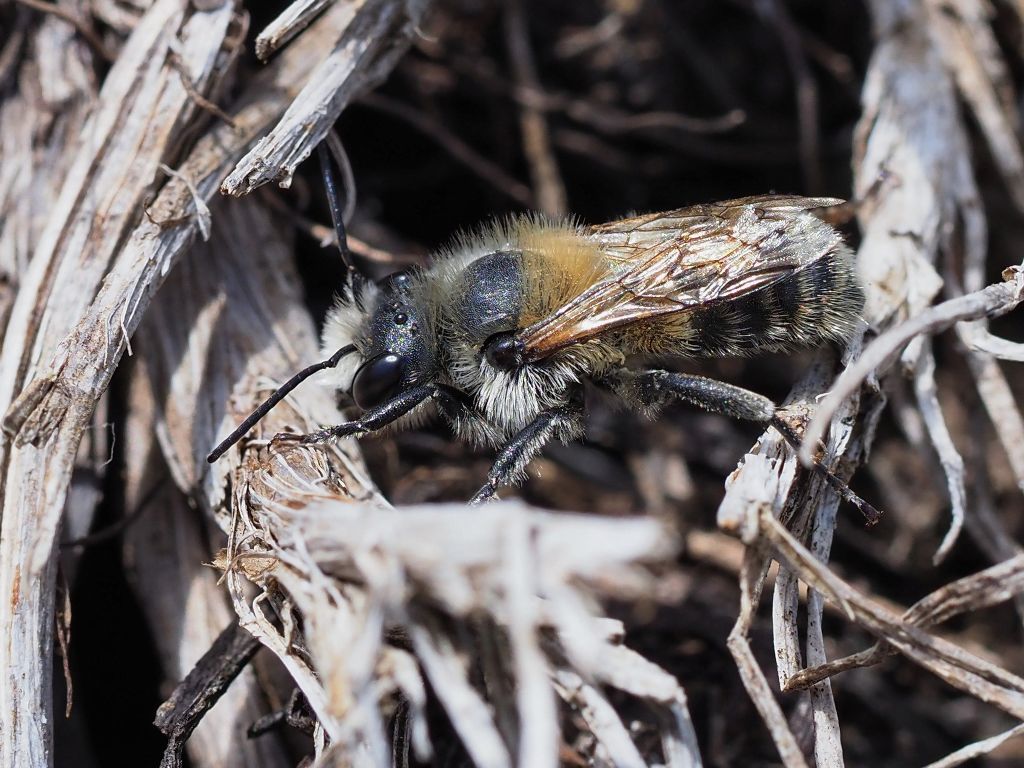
(499, 334)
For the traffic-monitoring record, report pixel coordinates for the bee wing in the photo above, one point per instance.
(676, 261)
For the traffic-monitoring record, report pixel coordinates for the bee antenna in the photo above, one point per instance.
(279, 394)
(353, 275)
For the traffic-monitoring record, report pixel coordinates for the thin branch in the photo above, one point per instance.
(202, 688)
(81, 26)
(486, 169)
(547, 181)
(995, 300)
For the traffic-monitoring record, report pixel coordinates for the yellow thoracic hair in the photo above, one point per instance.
(559, 263)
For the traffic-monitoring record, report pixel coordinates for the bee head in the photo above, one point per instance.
(399, 353)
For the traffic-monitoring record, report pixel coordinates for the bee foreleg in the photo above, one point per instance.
(513, 458)
(373, 419)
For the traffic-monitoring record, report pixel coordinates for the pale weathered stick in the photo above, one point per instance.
(934, 184)
(952, 463)
(989, 587)
(949, 662)
(601, 718)
(137, 117)
(291, 22)
(60, 400)
(373, 34)
(755, 566)
(36, 123)
(422, 568)
(992, 301)
(963, 33)
(229, 320)
(1007, 421)
(165, 551)
(977, 749)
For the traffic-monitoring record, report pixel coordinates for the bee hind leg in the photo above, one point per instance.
(561, 422)
(653, 389)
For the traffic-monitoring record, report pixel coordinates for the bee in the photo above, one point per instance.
(500, 334)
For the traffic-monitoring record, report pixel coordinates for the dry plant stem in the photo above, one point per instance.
(292, 20)
(448, 674)
(486, 169)
(977, 749)
(978, 339)
(963, 33)
(535, 701)
(36, 123)
(237, 300)
(980, 590)
(178, 717)
(765, 481)
(815, 518)
(82, 27)
(373, 35)
(547, 181)
(984, 524)
(59, 401)
(628, 671)
(143, 105)
(952, 463)
(995, 300)
(903, 97)
(57, 89)
(489, 565)
(911, 129)
(755, 566)
(1003, 412)
(961, 669)
(828, 748)
(896, 257)
(601, 718)
(166, 551)
(119, 17)
(200, 101)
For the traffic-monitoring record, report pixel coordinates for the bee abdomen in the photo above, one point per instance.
(819, 303)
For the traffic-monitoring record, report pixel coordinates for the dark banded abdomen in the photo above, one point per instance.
(819, 303)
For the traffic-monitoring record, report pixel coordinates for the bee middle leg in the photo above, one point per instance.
(514, 457)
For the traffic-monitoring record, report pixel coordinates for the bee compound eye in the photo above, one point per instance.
(504, 350)
(377, 380)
